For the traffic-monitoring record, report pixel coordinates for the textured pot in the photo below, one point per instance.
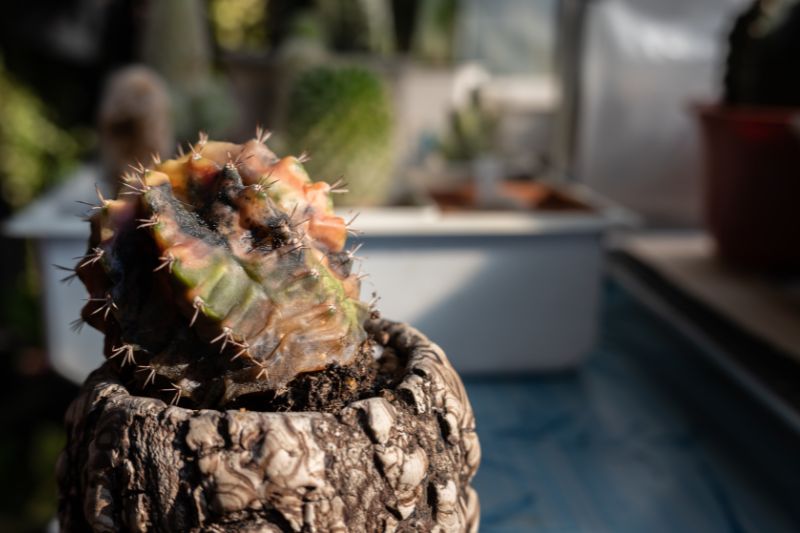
(402, 461)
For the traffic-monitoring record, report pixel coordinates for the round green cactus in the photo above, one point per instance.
(222, 274)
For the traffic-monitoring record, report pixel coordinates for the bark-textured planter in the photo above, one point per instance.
(400, 461)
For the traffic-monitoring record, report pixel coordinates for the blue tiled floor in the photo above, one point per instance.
(646, 437)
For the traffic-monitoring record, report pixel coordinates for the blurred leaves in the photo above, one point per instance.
(342, 116)
(239, 24)
(34, 151)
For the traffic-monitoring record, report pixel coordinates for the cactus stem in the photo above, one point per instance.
(167, 261)
(151, 373)
(198, 305)
(147, 222)
(127, 351)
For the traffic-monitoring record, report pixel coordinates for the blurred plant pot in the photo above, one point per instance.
(752, 184)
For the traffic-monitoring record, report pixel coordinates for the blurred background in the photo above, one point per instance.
(590, 204)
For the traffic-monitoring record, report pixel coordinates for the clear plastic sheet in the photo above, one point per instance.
(645, 63)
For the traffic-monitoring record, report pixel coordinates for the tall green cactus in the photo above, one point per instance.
(343, 116)
(220, 274)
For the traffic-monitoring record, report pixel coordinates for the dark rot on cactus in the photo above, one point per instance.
(222, 274)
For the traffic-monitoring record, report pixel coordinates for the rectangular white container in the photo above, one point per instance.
(499, 291)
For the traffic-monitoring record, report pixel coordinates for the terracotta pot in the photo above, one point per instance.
(752, 184)
(401, 461)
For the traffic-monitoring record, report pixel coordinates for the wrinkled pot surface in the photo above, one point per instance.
(401, 461)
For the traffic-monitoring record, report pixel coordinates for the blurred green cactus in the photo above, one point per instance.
(343, 116)
(222, 274)
(471, 132)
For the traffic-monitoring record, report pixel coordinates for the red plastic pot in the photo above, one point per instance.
(752, 185)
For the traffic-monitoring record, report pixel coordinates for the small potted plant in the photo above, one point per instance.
(246, 386)
(752, 141)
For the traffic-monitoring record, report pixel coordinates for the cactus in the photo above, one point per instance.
(343, 116)
(762, 63)
(222, 274)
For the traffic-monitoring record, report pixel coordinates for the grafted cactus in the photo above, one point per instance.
(222, 274)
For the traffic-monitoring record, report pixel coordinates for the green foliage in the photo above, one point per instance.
(342, 116)
(34, 151)
(239, 24)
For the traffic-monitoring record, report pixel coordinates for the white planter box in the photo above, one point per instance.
(500, 291)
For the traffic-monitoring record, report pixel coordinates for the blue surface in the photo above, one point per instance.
(646, 437)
